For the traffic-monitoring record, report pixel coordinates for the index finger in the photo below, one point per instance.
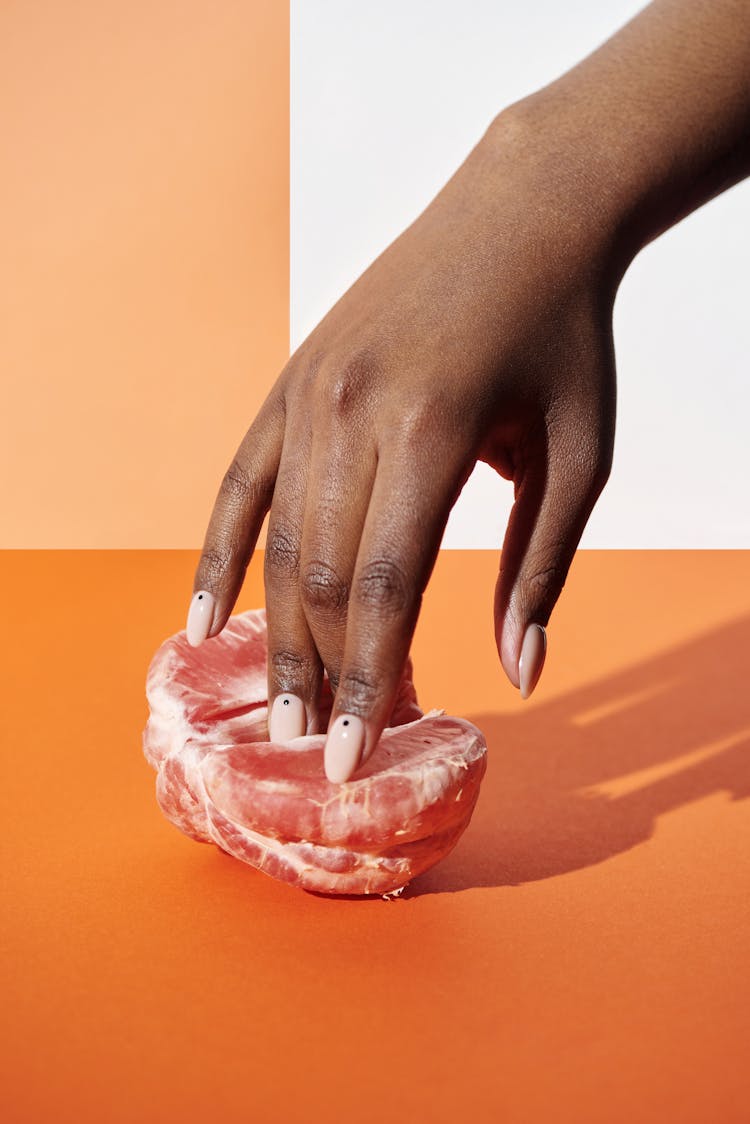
(409, 507)
(240, 507)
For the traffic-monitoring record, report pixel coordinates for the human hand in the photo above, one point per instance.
(482, 333)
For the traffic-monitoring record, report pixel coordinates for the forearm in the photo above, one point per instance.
(647, 128)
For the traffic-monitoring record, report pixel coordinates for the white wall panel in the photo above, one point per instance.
(387, 99)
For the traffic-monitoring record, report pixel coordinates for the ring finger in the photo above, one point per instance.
(342, 473)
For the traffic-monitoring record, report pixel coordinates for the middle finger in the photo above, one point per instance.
(342, 471)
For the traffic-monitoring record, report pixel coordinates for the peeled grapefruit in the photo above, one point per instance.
(221, 781)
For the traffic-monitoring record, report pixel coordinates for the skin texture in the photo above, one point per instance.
(484, 332)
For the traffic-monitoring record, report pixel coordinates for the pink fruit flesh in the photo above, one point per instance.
(220, 780)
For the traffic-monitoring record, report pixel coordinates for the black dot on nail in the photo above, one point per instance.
(345, 722)
(200, 596)
(286, 702)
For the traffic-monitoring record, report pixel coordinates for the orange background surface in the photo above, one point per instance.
(144, 275)
(581, 956)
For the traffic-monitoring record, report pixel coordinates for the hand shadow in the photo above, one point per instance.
(544, 808)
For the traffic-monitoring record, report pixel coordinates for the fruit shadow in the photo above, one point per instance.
(584, 777)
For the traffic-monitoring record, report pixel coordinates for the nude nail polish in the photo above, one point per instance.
(531, 662)
(288, 718)
(344, 746)
(200, 617)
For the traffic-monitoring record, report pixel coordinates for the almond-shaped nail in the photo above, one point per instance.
(533, 651)
(200, 616)
(288, 718)
(344, 745)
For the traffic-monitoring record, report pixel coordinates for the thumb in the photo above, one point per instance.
(554, 498)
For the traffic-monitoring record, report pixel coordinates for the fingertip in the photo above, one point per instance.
(507, 642)
(344, 748)
(511, 670)
(531, 660)
(288, 718)
(200, 617)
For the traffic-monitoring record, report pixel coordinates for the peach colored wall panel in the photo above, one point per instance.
(144, 293)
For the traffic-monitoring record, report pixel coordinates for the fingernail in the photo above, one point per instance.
(533, 651)
(288, 718)
(344, 745)
(200, 616)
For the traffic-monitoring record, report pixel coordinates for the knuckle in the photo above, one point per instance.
(421, 424)
(342, 394)
(282, 553)
(290, 670)
(214, 567)
(435, 413)
(238, 487)
(285, 660)
(383, 586)
(360, 689)
(322, 590)
(347, 386)
(544, 585)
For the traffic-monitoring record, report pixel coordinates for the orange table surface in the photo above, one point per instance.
(581, 956)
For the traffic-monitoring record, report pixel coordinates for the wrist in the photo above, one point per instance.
(646, 129)
(585, 200)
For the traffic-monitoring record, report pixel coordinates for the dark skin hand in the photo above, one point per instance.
(484, 332)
